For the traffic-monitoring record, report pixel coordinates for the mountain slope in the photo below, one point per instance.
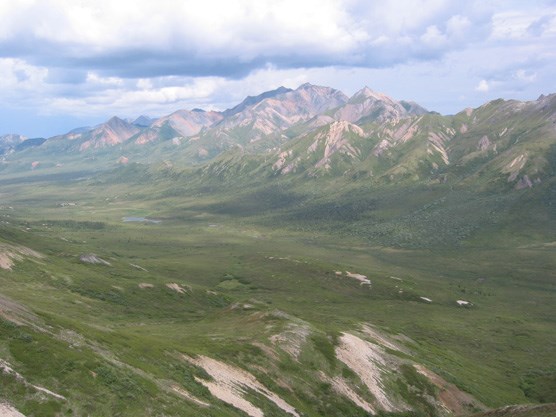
(500, 144)
(367, 105)
(187, 123)
(274, 114)
(252, 100)
(115, 131)
(513, 141)
(399, 264)
(8, 143)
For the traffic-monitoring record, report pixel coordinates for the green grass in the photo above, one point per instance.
(243, 256)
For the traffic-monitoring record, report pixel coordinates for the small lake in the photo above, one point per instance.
(140, 219)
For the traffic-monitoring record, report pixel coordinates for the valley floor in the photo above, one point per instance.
(200, 312)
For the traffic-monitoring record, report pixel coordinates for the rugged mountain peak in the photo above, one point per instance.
(12, 138)
(115, 122)
(9, 142)
(413, 108)
(188, 122)
(547, 97)
(281, 111)
(143, 121)
(366, 93)
(253, 100)
(367, 105)
(319, 89)
(318, 98)
(113, 132)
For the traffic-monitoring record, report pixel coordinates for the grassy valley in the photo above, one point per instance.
(263, 279)
(303, 254)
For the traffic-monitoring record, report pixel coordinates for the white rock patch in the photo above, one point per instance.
(380, 339)
(176, 287)
(366, 360)
(11, 253)
(342, 387)
(8, 411)
(230, 384)
(91, 258)
(361, 278)
(292, 338)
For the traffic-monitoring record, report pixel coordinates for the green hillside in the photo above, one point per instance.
(397, 268)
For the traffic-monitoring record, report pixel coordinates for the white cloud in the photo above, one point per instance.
(457, 25)
(18, 74)
(227, 27)
(240, 34)
(433, 37)
(122, 57)
(93, 78)
(526, 76)
(144, 84)
(524, 24)
(483, 86)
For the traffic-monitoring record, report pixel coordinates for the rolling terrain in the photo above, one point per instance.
(302, 254)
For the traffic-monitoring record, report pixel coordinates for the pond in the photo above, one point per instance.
(140, 219)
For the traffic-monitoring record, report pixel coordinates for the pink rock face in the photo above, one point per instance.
(284, 110)
(189, 123)
(111, 133)
(335, 141)
(146, 137)
(367, 102)
(123, 160)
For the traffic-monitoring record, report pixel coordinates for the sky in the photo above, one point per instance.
(70, 63)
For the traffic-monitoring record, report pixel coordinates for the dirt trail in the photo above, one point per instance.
(230, 385)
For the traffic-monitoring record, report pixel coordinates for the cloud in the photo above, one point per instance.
(526, 76)
(483, 86)
(541, 25)
(21, 84)
(122, 57)
(226, 38)
(433, 37)
(518, 24)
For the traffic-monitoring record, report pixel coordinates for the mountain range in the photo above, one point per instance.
(303, 253)
(319, 131)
